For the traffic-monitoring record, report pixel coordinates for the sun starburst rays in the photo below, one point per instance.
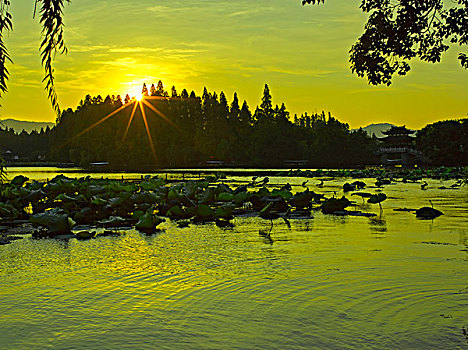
(100, 121)
(135, 105)
(154, 109)
(148, 133)
(137, 102)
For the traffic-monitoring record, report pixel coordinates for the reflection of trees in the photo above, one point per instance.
(378, 225)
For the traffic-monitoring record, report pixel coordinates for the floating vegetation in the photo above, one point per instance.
(55, 208)
(428, 213)
(384, 175)
(377, 198)
(84, 207)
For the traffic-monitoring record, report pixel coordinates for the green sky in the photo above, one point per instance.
(238, 45)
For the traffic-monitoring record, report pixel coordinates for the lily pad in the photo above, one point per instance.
(19, 180)
(55, 220)
(148, 222)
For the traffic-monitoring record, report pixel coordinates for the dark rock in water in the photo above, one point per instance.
(359, 184)
(348, 187)
(428, 213)
(224, 223)
(333, 205)
(85, 234)
(301, 199)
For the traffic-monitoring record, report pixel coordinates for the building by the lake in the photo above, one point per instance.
(398, 147)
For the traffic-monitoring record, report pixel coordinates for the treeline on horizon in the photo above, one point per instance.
(187, 130)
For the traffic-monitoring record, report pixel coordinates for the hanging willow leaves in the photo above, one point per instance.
(51, 14)
(5, 26)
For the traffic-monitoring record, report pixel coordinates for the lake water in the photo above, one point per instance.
(387, 282)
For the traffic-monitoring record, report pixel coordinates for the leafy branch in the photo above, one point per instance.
(398, 31)
(51, 14)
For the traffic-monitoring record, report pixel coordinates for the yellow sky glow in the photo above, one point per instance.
(236, 46)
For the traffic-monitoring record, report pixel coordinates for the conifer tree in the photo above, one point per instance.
(152, 90)
(144, 90)
(235, 110)
(160, 89)
(127, 99)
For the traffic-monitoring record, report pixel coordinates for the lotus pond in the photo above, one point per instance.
(232, 262)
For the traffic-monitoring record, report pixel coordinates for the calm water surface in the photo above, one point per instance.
(388, 282)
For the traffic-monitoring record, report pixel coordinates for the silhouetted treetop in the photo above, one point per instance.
(398, 31)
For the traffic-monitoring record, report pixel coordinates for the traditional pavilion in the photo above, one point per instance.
(398, 147)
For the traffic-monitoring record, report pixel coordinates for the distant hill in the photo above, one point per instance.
(376, 129)
(20, 125)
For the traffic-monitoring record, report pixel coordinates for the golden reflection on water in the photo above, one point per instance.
(385, 282)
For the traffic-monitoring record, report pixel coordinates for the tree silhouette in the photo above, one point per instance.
(153, 90)
(144, 90)
(398, 31)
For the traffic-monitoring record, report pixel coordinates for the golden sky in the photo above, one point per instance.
(238, 45)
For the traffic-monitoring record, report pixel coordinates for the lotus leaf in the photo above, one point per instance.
(173, 194)
(148, 222)
(137, 214)
(286, 195)
(7, 210)
(85, 216)
(35, 185)
(56, 221)
(19, 180)
(224, 211)
(206, 197)
(204, 212)
(61, 186)
(301, 199)
(428, 213)
(151, 184)
(94, 189)
(377, 198)
(113, 221)
(35, 195)
(177, 213)
(332, 205)
(221, 188)
(241, 198)
(225, 197)
(211, 178)
(98, 201)
(85, 234)
(64, 198)
(117, 201)
(262, 192)
(240, 189)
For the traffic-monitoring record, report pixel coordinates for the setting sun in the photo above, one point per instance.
(139, 97)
